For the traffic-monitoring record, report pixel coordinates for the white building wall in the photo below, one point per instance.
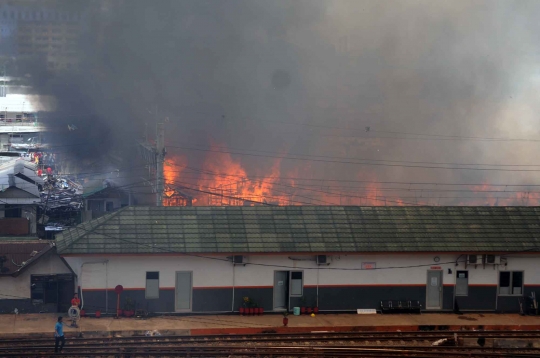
(19, 287)
(529, 264)
(391, 269)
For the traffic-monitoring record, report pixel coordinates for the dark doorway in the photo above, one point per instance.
(66, 288)
(52, 293)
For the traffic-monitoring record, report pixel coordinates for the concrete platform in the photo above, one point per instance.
(43, 324)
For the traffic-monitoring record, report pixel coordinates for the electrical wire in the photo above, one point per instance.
(344, 195)
(360, 181)
(154, 247)
(279, 155)
(436, 136)
(353, 162)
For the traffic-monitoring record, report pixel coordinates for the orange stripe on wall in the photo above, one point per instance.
(172, 288)
(228, 287)
(111, 289)
(339, 253)
(366, 285)
(305, 286)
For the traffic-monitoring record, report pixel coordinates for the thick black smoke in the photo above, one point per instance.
(246, 74)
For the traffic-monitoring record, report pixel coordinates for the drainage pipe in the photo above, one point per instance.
(232, 303)
(317, 305)
(456, 267)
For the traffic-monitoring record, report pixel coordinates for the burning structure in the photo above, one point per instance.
(309, 103)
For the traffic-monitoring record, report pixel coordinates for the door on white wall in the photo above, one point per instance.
(183, 291)
(281, 290)
(434, 290)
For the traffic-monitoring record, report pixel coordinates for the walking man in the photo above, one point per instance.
(59, 335)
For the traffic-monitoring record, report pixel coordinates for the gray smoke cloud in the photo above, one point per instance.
(251, 74)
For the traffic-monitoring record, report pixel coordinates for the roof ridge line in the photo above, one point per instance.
(61, 239)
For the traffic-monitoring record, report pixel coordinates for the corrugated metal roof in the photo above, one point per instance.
(306, 229)
(16, 255)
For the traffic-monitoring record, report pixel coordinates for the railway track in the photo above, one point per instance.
(272, 337)
(272, 351)
(323, 344)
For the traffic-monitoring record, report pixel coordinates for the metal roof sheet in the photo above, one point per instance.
(17, 255)
(306, 229)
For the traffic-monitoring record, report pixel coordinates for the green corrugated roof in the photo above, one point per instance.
(306, 229)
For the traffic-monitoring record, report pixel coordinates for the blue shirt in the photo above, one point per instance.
(59, 329)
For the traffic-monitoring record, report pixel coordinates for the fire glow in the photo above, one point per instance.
(224, 181)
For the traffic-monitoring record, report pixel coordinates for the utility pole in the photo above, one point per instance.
(160, 159)
(154, 156)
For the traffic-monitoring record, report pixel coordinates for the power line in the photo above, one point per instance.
(382, 198)
(377, 160)
(213, 193)
(323, 192)
(357, 181)
(154, 247)
(356, 163)
(437, 136)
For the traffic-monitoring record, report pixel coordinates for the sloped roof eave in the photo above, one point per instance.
(33, 260)
(301, 229)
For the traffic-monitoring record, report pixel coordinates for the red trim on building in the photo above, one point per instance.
(367, 285)
(228, 287)
(172, 288)
(196, 254)
(305, 286)
(111, 289)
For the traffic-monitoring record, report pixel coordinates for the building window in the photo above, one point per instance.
(511, 283)
(12, 211)
(152, 285)
(95, 205)
(297, 283)
(462, 283)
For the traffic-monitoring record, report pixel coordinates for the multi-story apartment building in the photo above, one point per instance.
(42, 30)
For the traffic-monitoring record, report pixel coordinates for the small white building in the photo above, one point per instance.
(207, 259)
(19, 197)
(33, 278)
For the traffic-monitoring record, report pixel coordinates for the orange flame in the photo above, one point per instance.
(232, 185)
(172, 169)
(225, 181)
